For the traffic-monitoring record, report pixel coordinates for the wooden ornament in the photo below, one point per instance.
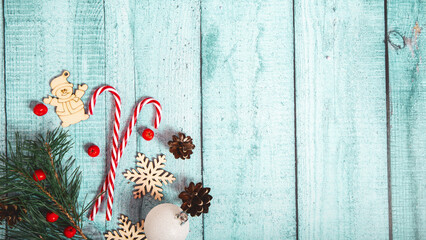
(127, 231)
(149, 176)
(69, 107)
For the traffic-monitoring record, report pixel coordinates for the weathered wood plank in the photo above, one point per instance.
(3, 135)
(88, 54)
(407, 78)
(42, 39)
(341, 120)
(167, 67)
(248, 119)
(24, 41)
(119, 25)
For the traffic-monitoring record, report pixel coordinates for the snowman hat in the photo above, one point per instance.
(60, 82)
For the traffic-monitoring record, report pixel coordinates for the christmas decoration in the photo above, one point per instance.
(12, 213)
(114, 151)
(118, 152)
(181, 146)
(40, 109)
(148, 134)
(93, 151)
(39, 175)
(195, 199)
(51, 217)
(69, 232)
(69, 106)
(58, 193)
(128, 231)
(149, 176)
(163, 222)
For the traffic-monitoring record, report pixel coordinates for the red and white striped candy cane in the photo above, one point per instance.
(123, 145)
(132, 123)
(114, 151)
(109, 182)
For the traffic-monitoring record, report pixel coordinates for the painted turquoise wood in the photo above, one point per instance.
(120, 74)
(167, 67)
(88, 65)
(341, 119)
(408, 110)
(224, 72)
(2, 102)
(248, 125)
(41, 39)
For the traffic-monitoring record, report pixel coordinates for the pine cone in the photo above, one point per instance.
(181, 146)
(12, 213)
(195, 199)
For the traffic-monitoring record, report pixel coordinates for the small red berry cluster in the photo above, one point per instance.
(69, 232)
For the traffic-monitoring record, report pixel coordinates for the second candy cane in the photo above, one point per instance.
(123, 145)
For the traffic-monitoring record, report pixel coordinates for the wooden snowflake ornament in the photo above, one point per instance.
(149, 176)
(127, 231)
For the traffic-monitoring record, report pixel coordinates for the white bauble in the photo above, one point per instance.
(161, 223)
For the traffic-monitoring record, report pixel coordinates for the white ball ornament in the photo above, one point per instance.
(163, 223)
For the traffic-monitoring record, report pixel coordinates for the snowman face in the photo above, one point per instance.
(64, 92)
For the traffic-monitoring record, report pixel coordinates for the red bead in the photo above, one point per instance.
(93, 151)
(69, 232)
(39, 175)
(148, 134)
(40, 109)
(51, 217)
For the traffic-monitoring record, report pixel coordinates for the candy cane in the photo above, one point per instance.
(124, 144)
(114, 151)
(109, 182)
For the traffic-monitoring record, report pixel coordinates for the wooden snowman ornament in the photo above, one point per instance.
(69, 107)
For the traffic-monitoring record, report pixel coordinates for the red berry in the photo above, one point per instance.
(148, 134)
(39, 175)
(40, 109)
(69, 232)
(51, 217)
(93, 151)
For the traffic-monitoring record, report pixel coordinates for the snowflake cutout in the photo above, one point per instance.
(149, 176)
(127, 231)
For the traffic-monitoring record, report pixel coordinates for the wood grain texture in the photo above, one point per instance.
(224, 74)
(3, 112)
(341, 120)
(167, 68)
(248, 127)
(87, 39)
(24, 44)
(408, 110)
(119, 25)
(42, 39)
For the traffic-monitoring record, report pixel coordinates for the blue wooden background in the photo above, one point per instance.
(309, 122)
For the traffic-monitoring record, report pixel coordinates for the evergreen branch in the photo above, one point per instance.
(49, 152)
(57, 193)
(63, 210)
